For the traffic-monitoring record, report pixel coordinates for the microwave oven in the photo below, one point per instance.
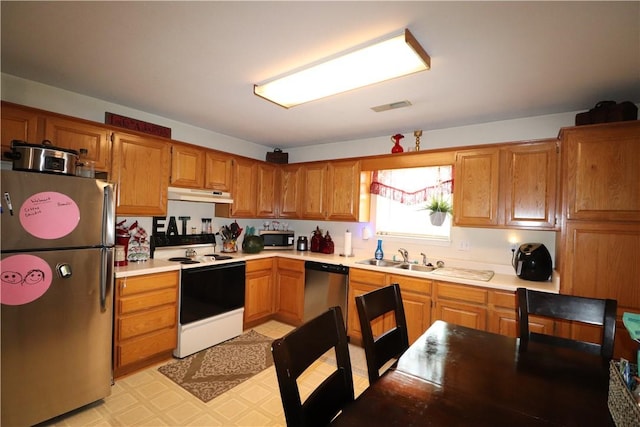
(277, 239)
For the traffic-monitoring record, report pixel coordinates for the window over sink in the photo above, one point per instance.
(401, 200)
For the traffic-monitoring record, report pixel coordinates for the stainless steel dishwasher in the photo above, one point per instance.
(325, 286)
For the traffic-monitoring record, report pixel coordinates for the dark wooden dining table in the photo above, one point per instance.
(458, 376)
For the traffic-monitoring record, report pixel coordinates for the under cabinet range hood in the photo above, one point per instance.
(193, 195)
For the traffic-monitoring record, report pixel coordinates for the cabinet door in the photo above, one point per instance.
(244, 191)
(266, 198)
(314, 184)
(601, 261)
(187, 166)
(258, 290)
(343, 190)
(20, 124)
(290, 285)
(476, 187)
(528, 185)
(76, 135)
(361, 282)
(469, 315)
(141, 173)
(601, 165)
(218, 171)
(416, 301)
(290, 192)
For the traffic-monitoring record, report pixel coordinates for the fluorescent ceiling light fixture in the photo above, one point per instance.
(385, 60)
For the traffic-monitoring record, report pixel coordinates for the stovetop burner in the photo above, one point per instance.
(184, 260)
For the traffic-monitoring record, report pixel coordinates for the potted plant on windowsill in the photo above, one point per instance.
(439, 208)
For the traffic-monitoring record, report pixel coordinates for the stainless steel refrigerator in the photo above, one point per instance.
(56, 299)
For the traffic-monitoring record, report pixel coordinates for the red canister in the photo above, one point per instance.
(122, 247)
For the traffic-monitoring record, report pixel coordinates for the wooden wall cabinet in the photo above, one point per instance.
(602, 172)
(259, 291)
(290, 194)
(141, 172)
(18, 123)
(528, 189)
(218, 170)
(187, 166)
(507, 186)
(76, 135)
(267, 181)
(597, 245)
(600, 260)
(290, 291)
(331, 190)
(253, 190)
(146, 320)
(314, 185)
(476, 187)
(243, 190)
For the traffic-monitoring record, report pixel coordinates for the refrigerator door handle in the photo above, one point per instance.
(108, 216)
(106, 276)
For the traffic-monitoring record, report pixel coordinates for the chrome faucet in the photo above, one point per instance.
(424, 258)
(405, 255)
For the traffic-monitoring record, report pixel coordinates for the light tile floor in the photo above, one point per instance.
(148, 398)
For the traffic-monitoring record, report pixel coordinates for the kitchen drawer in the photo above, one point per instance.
(463, 293)
(290, 264)
(138, 349)
(147, 301)
(503, 299)
(259, 265)
(411, 284)
(143, 323)
(137, 284)
(366, 276)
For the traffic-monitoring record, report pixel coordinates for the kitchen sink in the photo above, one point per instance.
(380, 262)
(416, 267)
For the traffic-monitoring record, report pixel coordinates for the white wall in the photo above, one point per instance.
(487, 247)
(37, 95)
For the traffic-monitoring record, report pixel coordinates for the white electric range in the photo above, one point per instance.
(212, 290)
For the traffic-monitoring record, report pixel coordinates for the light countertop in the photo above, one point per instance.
(500, 280)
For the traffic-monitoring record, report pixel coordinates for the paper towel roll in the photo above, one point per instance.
(347, 243)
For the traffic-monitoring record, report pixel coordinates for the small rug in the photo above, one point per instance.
(212, 371)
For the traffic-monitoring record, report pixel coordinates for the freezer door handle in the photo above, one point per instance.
(106, 276)
(108, 216)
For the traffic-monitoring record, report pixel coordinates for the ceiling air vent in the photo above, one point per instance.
(392, 106)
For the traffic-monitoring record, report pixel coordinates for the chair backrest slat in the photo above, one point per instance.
(592, 311)
(392, 343)
(296, 351)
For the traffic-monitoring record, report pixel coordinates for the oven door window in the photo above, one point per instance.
(209, 291)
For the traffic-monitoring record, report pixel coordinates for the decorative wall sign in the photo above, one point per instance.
(23, 279)
(49, 215)
(137, 125)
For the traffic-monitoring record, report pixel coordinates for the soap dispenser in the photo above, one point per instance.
(379, 254)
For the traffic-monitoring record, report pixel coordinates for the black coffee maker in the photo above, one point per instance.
(532, 261)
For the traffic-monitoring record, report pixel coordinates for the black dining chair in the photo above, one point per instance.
(296, 351)
(389, 345)
(594, 311)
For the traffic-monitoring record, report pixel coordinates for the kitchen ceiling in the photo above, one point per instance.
(196, 62)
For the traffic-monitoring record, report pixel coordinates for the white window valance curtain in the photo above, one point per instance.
(414, 185)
